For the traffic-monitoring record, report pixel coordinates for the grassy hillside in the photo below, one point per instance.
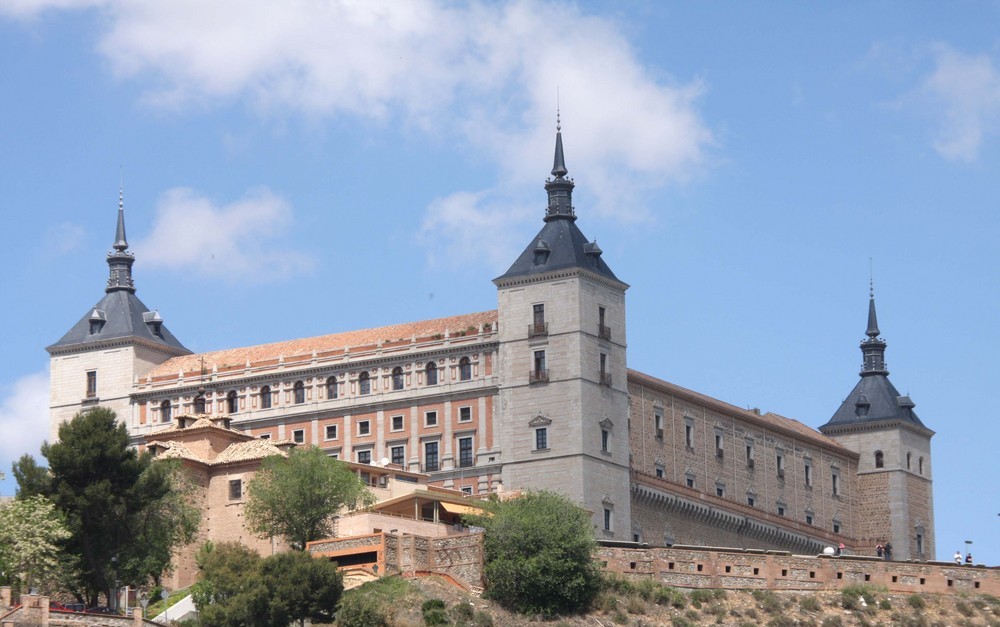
(405, 604)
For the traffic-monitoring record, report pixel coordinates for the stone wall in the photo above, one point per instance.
(33, 611)
(707, 567)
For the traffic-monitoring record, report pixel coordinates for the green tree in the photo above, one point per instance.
(125, 512)
(300, 587)
(230, 590)
(32, 479)
(538, 551)
(31, 530)
(239, 589)
(296, 497)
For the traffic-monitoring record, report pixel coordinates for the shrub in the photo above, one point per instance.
(916, 601)
(359, 610)
(436, 616)
(463, 612)
(885, 604)
(782, 621)
(482, 619)
(964, 609)
(832, 621)
(635, 605)
(432, 604)
(701, 596)
(809, 604)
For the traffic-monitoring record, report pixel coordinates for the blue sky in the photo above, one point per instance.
(329, 167)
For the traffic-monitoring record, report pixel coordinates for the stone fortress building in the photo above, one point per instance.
(535, 394)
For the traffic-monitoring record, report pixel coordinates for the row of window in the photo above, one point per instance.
(364, 427)
(331, 386)
(397, 452)
(540, 327)
(542, 440)
(540, 373)
(880, 461)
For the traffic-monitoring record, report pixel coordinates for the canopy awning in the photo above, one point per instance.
(458, 508)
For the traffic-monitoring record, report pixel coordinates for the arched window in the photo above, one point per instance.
(920, 465)
(265, 397)
(331, 387)
(432, 373)
(397, 378)
(299, 391)
(364, 383)
(908, 461)
(464, 369)
(232, 405)
(165, 411)
(199, 404)
(879, 459)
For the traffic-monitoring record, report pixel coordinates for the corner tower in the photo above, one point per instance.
(119, 339)
(563, 401)
(894, 469)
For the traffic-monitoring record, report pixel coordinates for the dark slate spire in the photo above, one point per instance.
(119, 314)
(560, 188)
(874, 398)
(120, 260)
(559, 245)
(873, 349)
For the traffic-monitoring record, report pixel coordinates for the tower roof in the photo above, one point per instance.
(559, 245)
(120, 314)
(874, 398)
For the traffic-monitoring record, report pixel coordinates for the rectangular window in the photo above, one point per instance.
(299, 436)
(540, 366)
(718, 445)
(781, 511)
(365, 457)
(809, 474)
(809, 519)
(467, 489)
(397, 423)
(750, 501)
(364, 427)
(235, 489)
(690, 482)
(659, 472)
(750, 460)
(538, 326)
(465, 452)
(835, 483)
(603, 330)
(658, 423)
(465, 414)
(91, 383)
(689, 436)
(607, 519)
(331, 432)
(264, 436)
(430, 456)
(398, 454)
(541, 438)
(780, 462)
(720, 490)
(836, 527)
(604, 441)
(431, 419)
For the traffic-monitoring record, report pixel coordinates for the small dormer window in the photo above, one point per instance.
(97, 320)
(542, 252)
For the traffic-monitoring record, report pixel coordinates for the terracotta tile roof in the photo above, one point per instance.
(454, 325)
(199, 423)
(250, 450)
(770, 420)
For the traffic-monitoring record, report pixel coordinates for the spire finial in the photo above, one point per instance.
(558, 125)
(120, 260)
(559, 162)
(871, 280)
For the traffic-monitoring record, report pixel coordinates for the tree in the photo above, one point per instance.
(125, 512)
(32, 479)
(296, 497)
(538, 551)
(31, 530)
(239, 589)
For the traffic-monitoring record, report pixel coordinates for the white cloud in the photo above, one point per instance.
(485, 73)
(64, 237)
(232, 242)
(965, 90)
(24, 418)
(27, 9)
(454, 228)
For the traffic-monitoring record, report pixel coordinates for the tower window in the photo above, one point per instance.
(779, 461)
(879, 459)
(364, 383)
(299, 392)
(431, 372)
(91, 383)
(604, 441)
(908, 456)
(718, 445)
(835, 484)
(331, 387)
(750, 455)
(232, 403)
(689, 436)
(658, 423)
(165, 411)
(603, 330)
(538, 326)
(920, 465)
(608, 520)
(541, 439)
(265, 397)
(397, 378)
(808, 474)
(235, 489)
(539, 371)
(199, 404)
(464, 369)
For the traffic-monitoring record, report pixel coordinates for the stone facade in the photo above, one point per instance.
(705, 567)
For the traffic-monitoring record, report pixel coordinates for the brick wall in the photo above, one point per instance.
(706, 567)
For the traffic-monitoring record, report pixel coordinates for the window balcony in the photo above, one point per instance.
(538, 329)
(538, 376)
(604, 331)
(606, 379)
